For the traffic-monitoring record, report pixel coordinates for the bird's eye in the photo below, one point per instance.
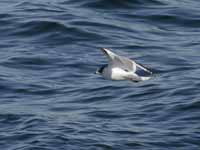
(126, 70)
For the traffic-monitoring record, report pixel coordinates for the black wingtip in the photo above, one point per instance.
(104, 50)
(148, 70)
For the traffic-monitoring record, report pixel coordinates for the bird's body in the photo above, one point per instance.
(114, 73)
(121, 68)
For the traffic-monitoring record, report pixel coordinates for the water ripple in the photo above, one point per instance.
(51, 98)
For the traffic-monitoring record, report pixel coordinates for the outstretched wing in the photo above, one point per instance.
(143, 68)
(123, 62)
(110, 55)
(120, 61)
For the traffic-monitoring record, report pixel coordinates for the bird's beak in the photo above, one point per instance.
(97, 71)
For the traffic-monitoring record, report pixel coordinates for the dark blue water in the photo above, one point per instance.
(50, 98)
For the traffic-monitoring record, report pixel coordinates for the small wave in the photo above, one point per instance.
(191, 106)
(106, 114)
(14, 118)
(113, 4)
(29, 62)
(38, 27)
(173, 19)
(5, 16)
(53, 32)
(126, 132)
(103, 146)
(35, 7)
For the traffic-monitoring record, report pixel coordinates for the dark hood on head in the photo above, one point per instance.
(100, 70)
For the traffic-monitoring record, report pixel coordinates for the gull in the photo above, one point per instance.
(122, 68)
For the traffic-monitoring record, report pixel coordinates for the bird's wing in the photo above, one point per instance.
(120, 61)
(143, 68)
(123, 62)
(110, 55)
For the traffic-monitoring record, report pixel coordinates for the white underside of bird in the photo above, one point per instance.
(115, 73)
(122, 68)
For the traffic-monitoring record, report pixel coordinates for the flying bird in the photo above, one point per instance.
(122, 68)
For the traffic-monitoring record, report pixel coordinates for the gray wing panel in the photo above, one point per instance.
(124, 63)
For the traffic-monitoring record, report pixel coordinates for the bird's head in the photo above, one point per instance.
(100, 70)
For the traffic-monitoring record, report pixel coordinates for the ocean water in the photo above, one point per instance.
(50, 98)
